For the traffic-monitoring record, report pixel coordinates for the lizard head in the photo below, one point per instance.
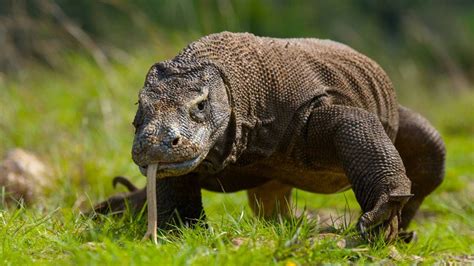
(182, 111)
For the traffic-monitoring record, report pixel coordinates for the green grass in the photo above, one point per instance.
(79, 121)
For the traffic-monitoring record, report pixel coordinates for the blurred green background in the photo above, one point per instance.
(419, 43)
(70, 72)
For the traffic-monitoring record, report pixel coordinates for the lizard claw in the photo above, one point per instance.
(369, 226)
(384, 218)
(408, 237)
(362, 228)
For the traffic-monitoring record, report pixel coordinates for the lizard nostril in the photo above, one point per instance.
(176, 141)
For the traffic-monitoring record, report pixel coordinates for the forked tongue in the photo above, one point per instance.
(151, 198)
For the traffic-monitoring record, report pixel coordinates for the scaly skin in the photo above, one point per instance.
(234, 111)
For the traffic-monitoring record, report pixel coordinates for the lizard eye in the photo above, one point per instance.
(199, 110)
(201, 105)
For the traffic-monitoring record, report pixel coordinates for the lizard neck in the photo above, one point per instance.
(241, 72)
(263, 91)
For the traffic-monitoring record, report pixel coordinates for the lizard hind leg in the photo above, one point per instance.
(270, 200)
(423, 155)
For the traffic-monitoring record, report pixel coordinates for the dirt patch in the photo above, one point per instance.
(23, 177)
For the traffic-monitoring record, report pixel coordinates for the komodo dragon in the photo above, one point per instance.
(233, 111)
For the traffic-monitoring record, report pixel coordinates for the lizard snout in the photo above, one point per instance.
(163, 146)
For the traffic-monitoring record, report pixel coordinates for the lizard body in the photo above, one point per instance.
(235, 111)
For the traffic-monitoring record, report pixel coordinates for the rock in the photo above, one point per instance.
(341, 241)
(23, 176)
(416, 258)
(238, 241)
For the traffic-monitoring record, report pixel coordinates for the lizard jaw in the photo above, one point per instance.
(166, 169)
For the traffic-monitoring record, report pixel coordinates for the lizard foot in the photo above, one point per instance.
(117, 204)
(408, 237)
(384, 218)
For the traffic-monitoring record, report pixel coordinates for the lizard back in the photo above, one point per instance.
(271, 79)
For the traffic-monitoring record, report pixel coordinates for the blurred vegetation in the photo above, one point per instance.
(425, 44)
(69, 75)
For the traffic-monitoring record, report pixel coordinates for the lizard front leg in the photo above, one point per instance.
(356, 139)
(178, 201)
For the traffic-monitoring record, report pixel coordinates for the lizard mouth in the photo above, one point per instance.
(173, 168)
